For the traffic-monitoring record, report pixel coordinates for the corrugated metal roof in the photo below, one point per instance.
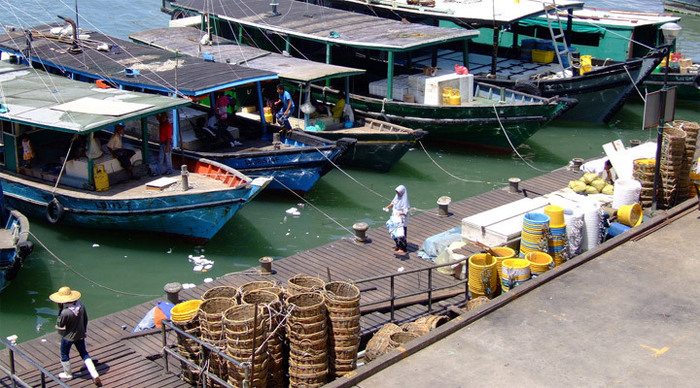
(187, 41)
(48, 101)
(160, 70)
(328, 25)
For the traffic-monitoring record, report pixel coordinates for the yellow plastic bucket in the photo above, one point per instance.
(514, 272)
(483, 276)
(540, 262)
(502, 253)
(185, 311)
(586, 64)
(556, 215)
(630, 215)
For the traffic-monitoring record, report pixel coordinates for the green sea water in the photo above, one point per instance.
(109, 266)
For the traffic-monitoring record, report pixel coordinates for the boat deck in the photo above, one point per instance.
(134, 359)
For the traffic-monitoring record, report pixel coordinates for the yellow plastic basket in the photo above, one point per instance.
(542, 56)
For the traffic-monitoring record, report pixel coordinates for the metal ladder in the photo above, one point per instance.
(554, 22)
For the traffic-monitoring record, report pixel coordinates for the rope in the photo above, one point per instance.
(511, 143)
(447, 172)
(63, 167)
(634, 83)
(353, 179)
(315, 208)
(85, 277)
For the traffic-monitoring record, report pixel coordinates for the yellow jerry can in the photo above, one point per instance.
(101, 178)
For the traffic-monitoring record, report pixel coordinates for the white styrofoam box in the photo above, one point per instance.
(501, 224)
(399, 87)
(435, 85)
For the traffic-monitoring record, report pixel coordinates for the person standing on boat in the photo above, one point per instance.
(123, 155)
(165, 130)
(286, 109)
(27, 152)
(72, 327)
(399, 207)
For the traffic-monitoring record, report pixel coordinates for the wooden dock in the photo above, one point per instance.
(135, 360)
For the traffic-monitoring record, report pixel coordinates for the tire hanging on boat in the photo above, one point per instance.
(527, 88)
(54, 211)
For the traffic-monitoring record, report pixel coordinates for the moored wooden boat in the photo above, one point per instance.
(296, 165)
(478, 121)
(90, 188)
(14, 245)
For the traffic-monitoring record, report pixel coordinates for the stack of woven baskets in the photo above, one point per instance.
(691, 129)
(243, 335)
(343, 305)
(423, 325)
(643, 171)
(308, 340)
(255, 285)
(272, 312)
(184, 316)
(380, 342)
(212, 329)
(673, 167)
(304, 283)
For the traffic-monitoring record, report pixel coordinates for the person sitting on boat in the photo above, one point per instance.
(123, 155)
(339, 107)
(217, 128)
(27, 152)
(286, 107)
(608, 173)
(165, 137)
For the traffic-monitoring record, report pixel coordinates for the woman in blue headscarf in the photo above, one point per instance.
(398, 222)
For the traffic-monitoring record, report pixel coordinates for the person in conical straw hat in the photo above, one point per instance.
(72, 327)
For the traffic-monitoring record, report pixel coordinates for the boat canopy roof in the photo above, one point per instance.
(607, 18)
(328, 25)
(43, 100)
(482, 12)
(106, 57)
(186, 40)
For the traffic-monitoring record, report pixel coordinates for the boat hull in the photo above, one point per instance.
(297, 168)
(12, 258)
(687, 85)
(600, 93)
(474, 125)
(195, 216)
(374, 151)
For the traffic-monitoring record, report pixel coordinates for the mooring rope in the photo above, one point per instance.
(634, 83)
(85, 277)
(353, 179)
(447, 172)
(511, 143)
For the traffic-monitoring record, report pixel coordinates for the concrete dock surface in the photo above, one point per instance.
(630, 317)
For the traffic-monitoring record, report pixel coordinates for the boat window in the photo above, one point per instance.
(9, 128)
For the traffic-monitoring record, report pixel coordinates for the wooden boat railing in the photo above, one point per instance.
(394, 301)
(13, 350)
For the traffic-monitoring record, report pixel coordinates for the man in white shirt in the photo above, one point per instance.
(123, 155)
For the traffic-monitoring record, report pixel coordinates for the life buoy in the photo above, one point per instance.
(54, 211)
(527, 88)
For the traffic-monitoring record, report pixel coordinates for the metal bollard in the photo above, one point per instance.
(443, 204)
(173, 292)
(635, 142)
(266, 265)
(513, 185)
(576, 164)
(276, 142)
(360, 229)
(185, 175)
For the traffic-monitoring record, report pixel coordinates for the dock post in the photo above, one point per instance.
(184, 174)
(173, 292)
(576, 164)
(443, 204)
(266, 265)
(360, 229)
(390, 76)
(635, 142)
(513, 185)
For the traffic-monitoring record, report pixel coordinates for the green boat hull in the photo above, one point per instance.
(474, 125)
(374, 151)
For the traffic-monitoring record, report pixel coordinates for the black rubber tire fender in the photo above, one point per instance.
(54, 211)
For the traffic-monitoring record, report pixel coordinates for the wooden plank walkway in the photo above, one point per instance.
(135, 360)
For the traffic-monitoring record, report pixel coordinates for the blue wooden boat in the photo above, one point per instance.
(296, 164)
(14, 246)
(89, 188)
